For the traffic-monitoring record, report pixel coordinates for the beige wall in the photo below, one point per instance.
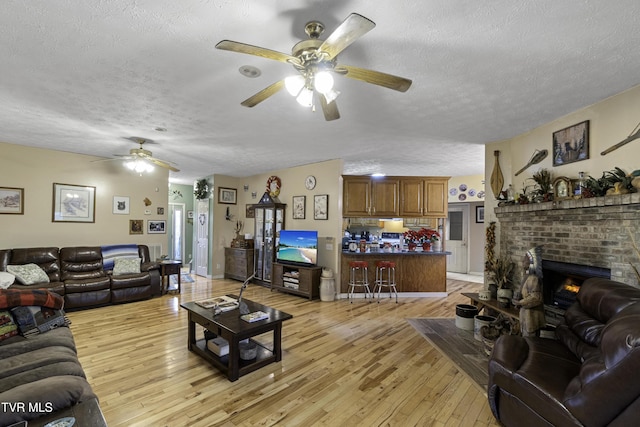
(472, 182)
(611, 121)
(329, 181)
(36, 170)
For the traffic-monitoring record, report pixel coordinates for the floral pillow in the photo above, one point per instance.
(28, 274)
(8, 328)
(6, 279)
(126, 266)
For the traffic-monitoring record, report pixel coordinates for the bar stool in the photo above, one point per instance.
(388, 269)
(358, 277)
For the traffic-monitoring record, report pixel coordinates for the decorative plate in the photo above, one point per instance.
(472, 192)
(273, 186)
(480, 194)
(462, 197)
(463, 187)
(453, 191)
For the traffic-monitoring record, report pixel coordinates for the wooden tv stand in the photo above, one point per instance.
(297, 280)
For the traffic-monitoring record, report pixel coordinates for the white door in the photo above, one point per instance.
(176, 242)
(202, 239)
(457, 238)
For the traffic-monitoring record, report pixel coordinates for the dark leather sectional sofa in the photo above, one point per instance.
(588, 376)
(77, 274)
(43, 370)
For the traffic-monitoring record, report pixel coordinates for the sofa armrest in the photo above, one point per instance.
(148, 266)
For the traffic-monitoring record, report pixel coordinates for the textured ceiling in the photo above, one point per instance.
(81, 76)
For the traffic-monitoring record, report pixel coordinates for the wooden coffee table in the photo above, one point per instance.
(232, 328)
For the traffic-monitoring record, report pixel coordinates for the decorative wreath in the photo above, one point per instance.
(275, 191)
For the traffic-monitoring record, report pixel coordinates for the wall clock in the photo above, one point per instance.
(310, 182)
(273, 186)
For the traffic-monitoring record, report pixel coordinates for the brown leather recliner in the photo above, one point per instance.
(587, 377)
(86, 283)
(46, 258)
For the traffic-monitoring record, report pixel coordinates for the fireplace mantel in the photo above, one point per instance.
(596, 231)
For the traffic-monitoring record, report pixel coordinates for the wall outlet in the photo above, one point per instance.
(218, 266)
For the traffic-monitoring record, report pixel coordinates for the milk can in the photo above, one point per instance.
(327, 285)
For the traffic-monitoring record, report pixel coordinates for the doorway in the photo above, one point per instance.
(202, 242)
(457, 236)
(177, 236)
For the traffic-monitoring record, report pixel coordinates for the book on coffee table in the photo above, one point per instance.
(255, 316)
(223, 302)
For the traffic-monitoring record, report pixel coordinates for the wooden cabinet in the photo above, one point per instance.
(297, 280)
(238, 263)
(365, 196)
(435, 197)
(269, 220)
(404, 197)
(420, 222)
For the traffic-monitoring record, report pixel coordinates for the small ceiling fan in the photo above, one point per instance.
(316, 60)
(140, 160)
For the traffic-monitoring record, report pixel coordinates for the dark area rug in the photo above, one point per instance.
(456, 344)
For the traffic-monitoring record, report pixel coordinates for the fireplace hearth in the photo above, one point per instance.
(561, 281)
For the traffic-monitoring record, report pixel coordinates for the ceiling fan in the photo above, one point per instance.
(139, 159)
(316, 61)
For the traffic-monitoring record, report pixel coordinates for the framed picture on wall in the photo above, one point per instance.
(136, 226)
(299, 206)
(571, 144)
(250, 211)
(121, 205)
(227, 195)
(321, 206)
(73, 203)
(479, 214)
(11, 200)
(156, 226)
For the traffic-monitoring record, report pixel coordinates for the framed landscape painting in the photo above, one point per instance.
(11, 200)
(73, 203)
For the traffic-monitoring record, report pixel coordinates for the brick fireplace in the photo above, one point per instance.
(595, 232)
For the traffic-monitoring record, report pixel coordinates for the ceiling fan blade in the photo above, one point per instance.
(351, 29)
(375, 77)
(162, 163)
(257, 51)
(263, 94)
(330, 109)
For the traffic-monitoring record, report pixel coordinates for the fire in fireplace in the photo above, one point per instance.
(561, 281)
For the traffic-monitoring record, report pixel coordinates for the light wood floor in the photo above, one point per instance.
(354, 364)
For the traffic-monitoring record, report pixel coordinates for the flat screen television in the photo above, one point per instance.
(298, 247)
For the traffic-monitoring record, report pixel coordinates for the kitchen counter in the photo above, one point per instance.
(417, 273)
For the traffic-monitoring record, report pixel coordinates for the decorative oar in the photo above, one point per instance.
(537, 157)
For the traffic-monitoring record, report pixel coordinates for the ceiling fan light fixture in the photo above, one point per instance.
(323, 82)
(139, 166)
(294, 84)
(305, 98)
(331, 96)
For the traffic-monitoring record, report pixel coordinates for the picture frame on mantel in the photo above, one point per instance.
(11, 200)
(571, 144)
(73, 203)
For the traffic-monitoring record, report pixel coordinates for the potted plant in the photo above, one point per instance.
(543, 181)
(424, 237)
(502, 272)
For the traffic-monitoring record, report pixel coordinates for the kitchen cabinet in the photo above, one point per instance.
(421, 222)
(435, 197)
(403, 197)
(364, 222)
(364, 196)
(269, 220)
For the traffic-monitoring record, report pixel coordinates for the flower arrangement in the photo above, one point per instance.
(424, 235)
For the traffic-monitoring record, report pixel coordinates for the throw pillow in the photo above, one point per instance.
(6, 279)
(8, 328)
(126, 266)
(28, 274)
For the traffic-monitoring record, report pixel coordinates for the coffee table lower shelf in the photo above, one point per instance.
(263, 357)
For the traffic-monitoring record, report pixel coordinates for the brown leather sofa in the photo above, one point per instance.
(588, 376)
(77, 274)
